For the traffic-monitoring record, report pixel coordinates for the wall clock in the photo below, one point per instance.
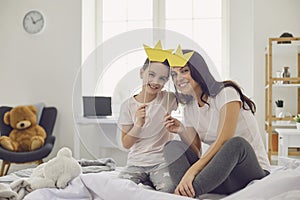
(33, 22)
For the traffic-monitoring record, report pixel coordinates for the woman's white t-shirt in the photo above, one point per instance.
(148, 149)
(205, 120)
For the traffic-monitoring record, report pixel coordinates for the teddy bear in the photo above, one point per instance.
(26, 135)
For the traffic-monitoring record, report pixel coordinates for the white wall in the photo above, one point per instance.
(271, 19)
(252, 22)
(44, 67)
(241, 43)
(41, 68)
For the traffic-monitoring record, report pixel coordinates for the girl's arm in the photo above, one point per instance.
(227, 125)
(130, 133)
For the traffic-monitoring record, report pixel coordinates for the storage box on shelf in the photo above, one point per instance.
(280, 53)
(288, 138)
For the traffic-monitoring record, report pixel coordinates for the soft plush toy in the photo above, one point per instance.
(57, 172)
(26, 135)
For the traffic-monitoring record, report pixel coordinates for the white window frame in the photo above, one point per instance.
(93, 35)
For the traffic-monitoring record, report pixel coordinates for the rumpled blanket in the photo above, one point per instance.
(62, 166)
(6, 193)
(101, 186)
(99, 165)
(107, 186)
(21, 187)
(56, 173)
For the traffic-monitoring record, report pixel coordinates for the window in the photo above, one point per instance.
(128, 15)
(199, 20)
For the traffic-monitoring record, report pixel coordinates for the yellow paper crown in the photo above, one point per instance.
(157, 53)
(178, 59)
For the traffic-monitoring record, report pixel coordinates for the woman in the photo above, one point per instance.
(219, 114)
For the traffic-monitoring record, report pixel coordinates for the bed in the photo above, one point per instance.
(282, 183)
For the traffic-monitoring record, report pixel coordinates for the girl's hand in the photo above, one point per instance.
(140, 116)
(185, 186)
(172, 124)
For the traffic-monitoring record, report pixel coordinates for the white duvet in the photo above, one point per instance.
(283, 184)
(101, 186)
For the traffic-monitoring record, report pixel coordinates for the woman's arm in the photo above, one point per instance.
(229, 114)
(227, 125)
(188, 135)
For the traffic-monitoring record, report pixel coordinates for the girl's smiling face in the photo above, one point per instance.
(154, 77)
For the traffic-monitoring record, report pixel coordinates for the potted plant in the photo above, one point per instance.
(297, 119)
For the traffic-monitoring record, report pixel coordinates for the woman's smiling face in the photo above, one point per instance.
(183, 80)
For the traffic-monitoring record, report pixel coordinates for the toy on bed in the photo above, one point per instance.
(56, 173)
(26, 135)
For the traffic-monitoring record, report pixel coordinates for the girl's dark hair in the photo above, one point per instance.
(146, 63)
(210, 87)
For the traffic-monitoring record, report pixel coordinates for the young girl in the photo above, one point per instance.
(143, 132)
(218, 114)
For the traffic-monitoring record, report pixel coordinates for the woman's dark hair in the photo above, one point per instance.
(210, 87)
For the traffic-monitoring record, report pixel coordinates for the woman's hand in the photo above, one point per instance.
(185, 186)
(140, 116)
(172, 125)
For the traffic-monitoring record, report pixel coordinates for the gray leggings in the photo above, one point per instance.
(230, 170)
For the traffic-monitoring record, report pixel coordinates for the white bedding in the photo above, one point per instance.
(282, 184)
(101, 186)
